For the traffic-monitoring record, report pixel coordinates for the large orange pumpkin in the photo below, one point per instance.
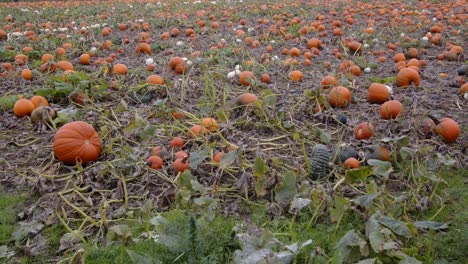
(77, 142)
(406, 76)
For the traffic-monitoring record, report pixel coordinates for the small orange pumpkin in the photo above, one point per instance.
(377, 93)
(38, 100)
(339, 96)
(246, 99)
(446, 128)
(77, 142)
(155, 80)
(64, 65)
(23, 107)
(328, 81)
(391, 109)
(27, 74)
(177, 65)
(364, 130)
(210, 124)
(218, 156)
(120, 69)
(181, 164)
(177, 142)
(155, 162)
(246, 77)
(351, 163)
(296, 76)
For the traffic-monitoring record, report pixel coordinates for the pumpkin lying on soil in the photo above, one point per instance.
(77, 142)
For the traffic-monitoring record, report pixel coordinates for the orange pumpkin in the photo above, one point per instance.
(85, 59)
(143, 48)
(406, 76)
(351, 163)
(120, 69)
(447, 128)
(296, 76)
(391, 109)
(210, 124)
(77, 142)
(38, 100)
(377, 93)
(246, 77)
(364, 130)
(177, 142)
(64, 65)
(463, 89)
(328, 81)
(339, 96)
(178, 65)
(246, 99)
(155, 162)
(218, 156)
(23, 107)
(181, 164)
(155, 80)
(27, 74)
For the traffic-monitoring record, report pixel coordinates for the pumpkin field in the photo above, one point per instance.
(245, 131)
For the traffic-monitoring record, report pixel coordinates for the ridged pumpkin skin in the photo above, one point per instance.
(406, 76)
(319, 161)
(77, 142)
(377, 93)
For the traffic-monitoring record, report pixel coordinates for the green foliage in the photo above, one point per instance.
(179, 237)
(9, 208)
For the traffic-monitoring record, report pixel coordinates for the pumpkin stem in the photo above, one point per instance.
(435, 119)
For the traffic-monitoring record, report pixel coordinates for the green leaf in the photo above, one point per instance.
(122, 107)
(375, 79)
(446, 160)
(25, 229)
(380, 168)
(259, 170)
(369, 261)
(269, 98)
(122, 231)
(196, 158)
(350, 248)
(45, 91)
(139, 258)
(430, 225)
(287, 189)
(379, 237)
(366, 200)
(223, 117)
(359, 174)
(324, 136)
(340, 207)
(228, 159)
(63, 89)
(147, 132)
(185, 179)
(8, 101)
(396, 226)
